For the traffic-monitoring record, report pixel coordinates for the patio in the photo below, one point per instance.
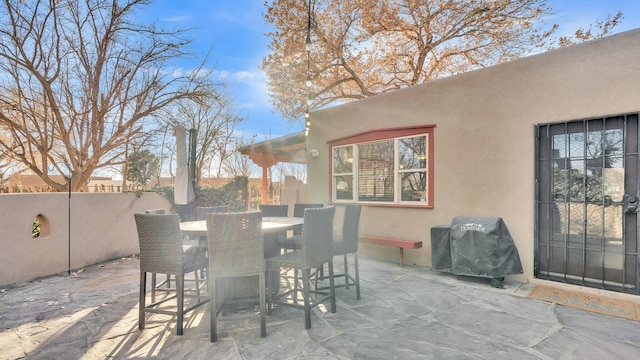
(405, 313)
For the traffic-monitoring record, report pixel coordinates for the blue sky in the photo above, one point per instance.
(235, 29)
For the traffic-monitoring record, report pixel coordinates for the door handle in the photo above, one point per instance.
(631, 203)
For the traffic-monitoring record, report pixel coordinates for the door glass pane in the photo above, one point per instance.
(576, 226)
(576, 182)
(613, 179)
(613, 237)
(560, 180)
(559, 144)
(576, 145)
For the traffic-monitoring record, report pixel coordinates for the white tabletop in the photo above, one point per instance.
(269, 224)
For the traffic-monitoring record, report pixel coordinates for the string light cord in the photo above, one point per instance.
(308, 82)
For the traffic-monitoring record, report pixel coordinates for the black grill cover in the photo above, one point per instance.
(440, 248)
(482, 246)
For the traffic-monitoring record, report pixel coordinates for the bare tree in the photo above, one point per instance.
(237, 164)
(299, 171)
(79, 79)
(362, 48)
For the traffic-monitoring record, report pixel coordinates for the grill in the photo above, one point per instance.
(475, 246)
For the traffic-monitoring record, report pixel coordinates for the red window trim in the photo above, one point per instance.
(379, 134)
(389, 133)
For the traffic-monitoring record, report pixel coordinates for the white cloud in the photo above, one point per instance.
(248, 87)
(176, 19)
(243, 76)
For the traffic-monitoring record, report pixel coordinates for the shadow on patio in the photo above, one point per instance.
(404, 313)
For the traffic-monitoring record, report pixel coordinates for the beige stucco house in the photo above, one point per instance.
(548, 143)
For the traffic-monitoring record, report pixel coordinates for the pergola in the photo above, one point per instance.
(289, 148)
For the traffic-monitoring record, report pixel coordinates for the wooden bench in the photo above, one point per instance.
(390, 241)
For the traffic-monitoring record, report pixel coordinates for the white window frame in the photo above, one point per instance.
(397, 173)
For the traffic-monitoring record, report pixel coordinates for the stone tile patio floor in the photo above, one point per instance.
(404, 313)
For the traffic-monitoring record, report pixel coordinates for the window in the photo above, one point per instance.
(343, 172)
(391, 166)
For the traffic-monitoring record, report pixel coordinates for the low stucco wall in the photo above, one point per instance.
(484, 136)
(102, 228)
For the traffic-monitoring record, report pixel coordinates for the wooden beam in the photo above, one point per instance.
(265, 186)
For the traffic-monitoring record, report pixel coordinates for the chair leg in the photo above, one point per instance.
(315, 282)
(346, 272)
(295, 284)
(332, 288)
(143, 290)
(305, 292)
(357, 273)
(197, 282)
(180, 297)
(263, 315)
(225, 289)
(269, 290)
(211, 283)
(153, 287)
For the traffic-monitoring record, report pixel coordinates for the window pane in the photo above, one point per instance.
(412, 153)
(343, 187)
(414, 185)
(576, 145)
(343, 160)
(375, 171)
(559, 146)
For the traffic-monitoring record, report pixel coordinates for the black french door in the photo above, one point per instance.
(587, 202)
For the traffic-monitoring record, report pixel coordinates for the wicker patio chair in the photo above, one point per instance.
(317, 239)
(236, 249)
(274, 210)
(161, 251)
(201, 212)
(294, 242)
(347, 244)
(154, 284)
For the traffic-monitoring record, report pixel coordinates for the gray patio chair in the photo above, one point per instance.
(236, 248)
(154, 284)
(347, 244)
(317, 239)
(275, 210)
(161, 251)
(299, 208)
(202, 211)
(294, 242)
(201, 214)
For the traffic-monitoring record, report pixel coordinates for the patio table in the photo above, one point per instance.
(271, 227)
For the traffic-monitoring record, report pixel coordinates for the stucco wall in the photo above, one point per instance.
(295, 192)
(484, 135)
(102, 228)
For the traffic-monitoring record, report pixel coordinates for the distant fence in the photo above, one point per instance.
(100, 228)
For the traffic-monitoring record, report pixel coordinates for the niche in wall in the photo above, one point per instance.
(40, 227)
